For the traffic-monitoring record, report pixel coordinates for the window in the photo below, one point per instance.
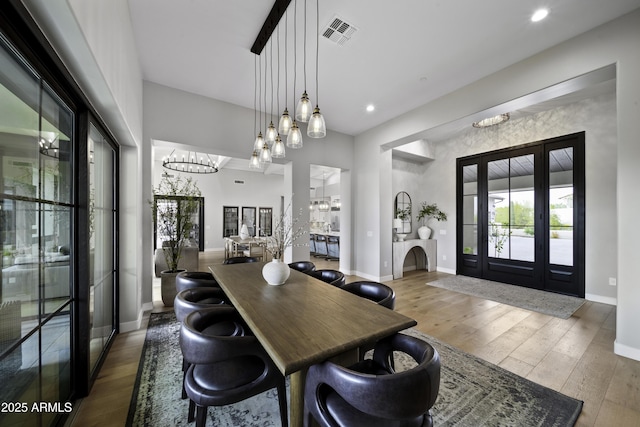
(37, 210)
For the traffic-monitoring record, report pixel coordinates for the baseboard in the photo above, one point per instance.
(601, 299)
(626, 351)
(368, 276)
(134, 325)
(386, 278)
(445, 270)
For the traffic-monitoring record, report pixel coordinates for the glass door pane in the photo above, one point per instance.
(101, 242)
(470, 209)
(511, 208)
(561, 206)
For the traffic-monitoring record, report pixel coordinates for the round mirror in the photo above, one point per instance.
(403, 212)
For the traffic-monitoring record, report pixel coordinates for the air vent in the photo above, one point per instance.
(338, 31)
(237, 181)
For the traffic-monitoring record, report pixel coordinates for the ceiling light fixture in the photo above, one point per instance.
(323, 206)
(294, 139)
(317, 127)
(284, 126)
(254, 161)
(278, 149)
(491, 121)
(193, 162)
(50, 147)
(265, 153)
(303, 110)
(539, 15)
(370, 108)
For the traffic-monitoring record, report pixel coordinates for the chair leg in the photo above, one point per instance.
(201, 416)
(185, 367)
(282, 401)
(192, 411)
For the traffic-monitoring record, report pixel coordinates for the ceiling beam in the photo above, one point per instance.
(270, 24)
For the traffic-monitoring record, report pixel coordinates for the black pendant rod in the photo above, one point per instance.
(270, 24)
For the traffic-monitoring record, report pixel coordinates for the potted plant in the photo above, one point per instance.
(427, 212)
(174, 222)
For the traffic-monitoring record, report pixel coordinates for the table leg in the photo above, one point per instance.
(296, 388)
(296, 405)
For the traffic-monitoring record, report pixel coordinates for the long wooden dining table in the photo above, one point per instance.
(305, 321)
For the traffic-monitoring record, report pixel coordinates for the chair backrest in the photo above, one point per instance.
(377, 292)
(303, 266)
(333, 277)
(194, 279)
(394, 395)
(214, 334)
(192, 299)
(240, 260)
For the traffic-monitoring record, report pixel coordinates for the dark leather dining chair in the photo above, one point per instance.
(225, 367)
(370, 393)
(192, 299)
(240, 259)
(379, 293)
(303, 266)
(333, 277)
(194, 279)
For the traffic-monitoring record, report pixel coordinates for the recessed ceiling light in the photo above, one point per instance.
(370, 108)
(539, 15)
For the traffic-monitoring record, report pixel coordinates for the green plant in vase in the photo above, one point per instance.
(427, 212)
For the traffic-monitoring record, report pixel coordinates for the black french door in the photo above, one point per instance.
(520, 215)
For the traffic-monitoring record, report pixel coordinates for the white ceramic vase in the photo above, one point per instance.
(276, 272)
(424, 232)
(401, 236)
(244, 232)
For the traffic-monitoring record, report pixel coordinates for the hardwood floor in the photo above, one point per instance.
(574, 356)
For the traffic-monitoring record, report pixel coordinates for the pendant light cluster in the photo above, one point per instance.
(272, 145)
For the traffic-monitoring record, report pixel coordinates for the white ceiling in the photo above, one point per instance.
(403, 54)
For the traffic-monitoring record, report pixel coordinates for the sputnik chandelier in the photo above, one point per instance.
(191, 162)
(272, 144)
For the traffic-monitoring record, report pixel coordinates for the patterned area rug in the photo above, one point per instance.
(472, 392)
(557, 305)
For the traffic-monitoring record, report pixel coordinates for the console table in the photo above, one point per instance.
(401, 249)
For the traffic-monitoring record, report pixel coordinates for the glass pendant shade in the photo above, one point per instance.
(265, 154)
(259, 142)
(270, 134)
(316, 127)
(303, 110)
(278, 149)
(323, 206)
(294, 139)
(254, 161)
(284, 127)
